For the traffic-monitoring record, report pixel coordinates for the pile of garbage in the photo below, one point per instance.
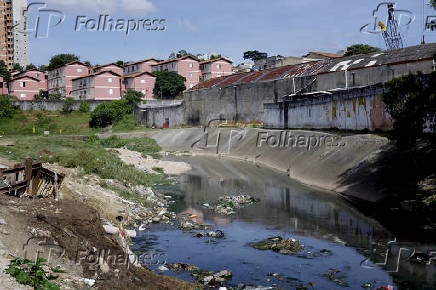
(187, 222)
(228, 205)
(208, 278)
(216, 234)
(279, 245)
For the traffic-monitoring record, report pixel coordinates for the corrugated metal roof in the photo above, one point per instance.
(404, 55)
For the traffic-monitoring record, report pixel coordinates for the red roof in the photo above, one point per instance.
(177, 59)
(216, 59)
(327, 54)
(138, 74)
(141, 61)
(96, 74)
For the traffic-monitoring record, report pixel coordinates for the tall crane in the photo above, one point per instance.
(391, 31)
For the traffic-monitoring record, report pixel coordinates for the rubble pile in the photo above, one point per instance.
(187, 223)
(228, 205)
(208, 278)
(279, 245)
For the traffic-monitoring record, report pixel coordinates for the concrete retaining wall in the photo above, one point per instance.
(353, 109)
(161, 116)
(319, 159)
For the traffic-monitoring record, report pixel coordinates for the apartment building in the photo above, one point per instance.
(186, 66)
(143, 82)
(25, 85)
(215, 68)
(103, 85)
(113, 67)
(140, 66)
(6, 34)
(3, 87)
(60, 80)
(21, 36)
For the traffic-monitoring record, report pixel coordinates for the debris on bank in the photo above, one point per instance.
(30, 179)
(334, 276)
(187, 222)
(228, 205)
(208, 278)
(279, 245)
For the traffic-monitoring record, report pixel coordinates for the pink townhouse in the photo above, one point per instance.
(142, 82)
(113, 67)
(37, 74)
(25, 87)
(186, 66)
(3, 87)
(104, 85)
(60, 80)
(215, 68)
(139, 66)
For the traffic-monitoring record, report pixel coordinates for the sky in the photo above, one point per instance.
(228, 27)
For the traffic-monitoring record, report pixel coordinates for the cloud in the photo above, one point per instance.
(103, 6)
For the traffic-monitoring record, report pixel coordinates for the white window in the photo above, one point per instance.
(142, 81)
(190, 76)
(191, 65)
(79, 70)
(218, 66)
(23, 95)
(109, 80)
(111, 92)
(191, 86)
(22, 84)
(143, 92)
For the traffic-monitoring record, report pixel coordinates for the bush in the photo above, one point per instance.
(84, 107)
(7, 110)
(109, 113)
(132, 97)
(127, 123)
(168, 84)
(68, 105)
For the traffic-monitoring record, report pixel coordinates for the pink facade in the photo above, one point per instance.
(37, 74)
(140, 66)
(60, 79)
(216, 68)
(3, 87)
(113, 67)
(104, 85)
(24, 87)
(141, 82)
(187, 66)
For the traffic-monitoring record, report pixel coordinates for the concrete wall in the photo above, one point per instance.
(52, 105)
(158, 116)
(353, 109)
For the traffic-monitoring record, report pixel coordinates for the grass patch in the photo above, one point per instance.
(93, 158)
(75, 123)
(146, 146)
(31, 273)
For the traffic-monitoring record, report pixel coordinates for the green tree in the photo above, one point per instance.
(43, 68)
(4, 72)
(18, 67)
(61, 59)
(433, 3)
(182, 53)
(360, 49)
(120, 62)
(411, 101)
(7, 110)
(67, 108)
(42, 95)
(84, 107)
(109, 113)
(132, 97)
(87, 63)
(168, 84)
(30, 66)
(255, 55)
(215, 56)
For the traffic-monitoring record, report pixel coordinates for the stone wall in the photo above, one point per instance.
(159, 115)
(352, 109)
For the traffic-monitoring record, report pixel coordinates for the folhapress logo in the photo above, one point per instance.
(381, 15)
(44, 20)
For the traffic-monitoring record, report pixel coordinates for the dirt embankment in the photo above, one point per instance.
(70, 233)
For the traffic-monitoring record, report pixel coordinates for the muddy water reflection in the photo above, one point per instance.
(321, 220)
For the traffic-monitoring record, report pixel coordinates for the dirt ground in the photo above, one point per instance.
(70, 233)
